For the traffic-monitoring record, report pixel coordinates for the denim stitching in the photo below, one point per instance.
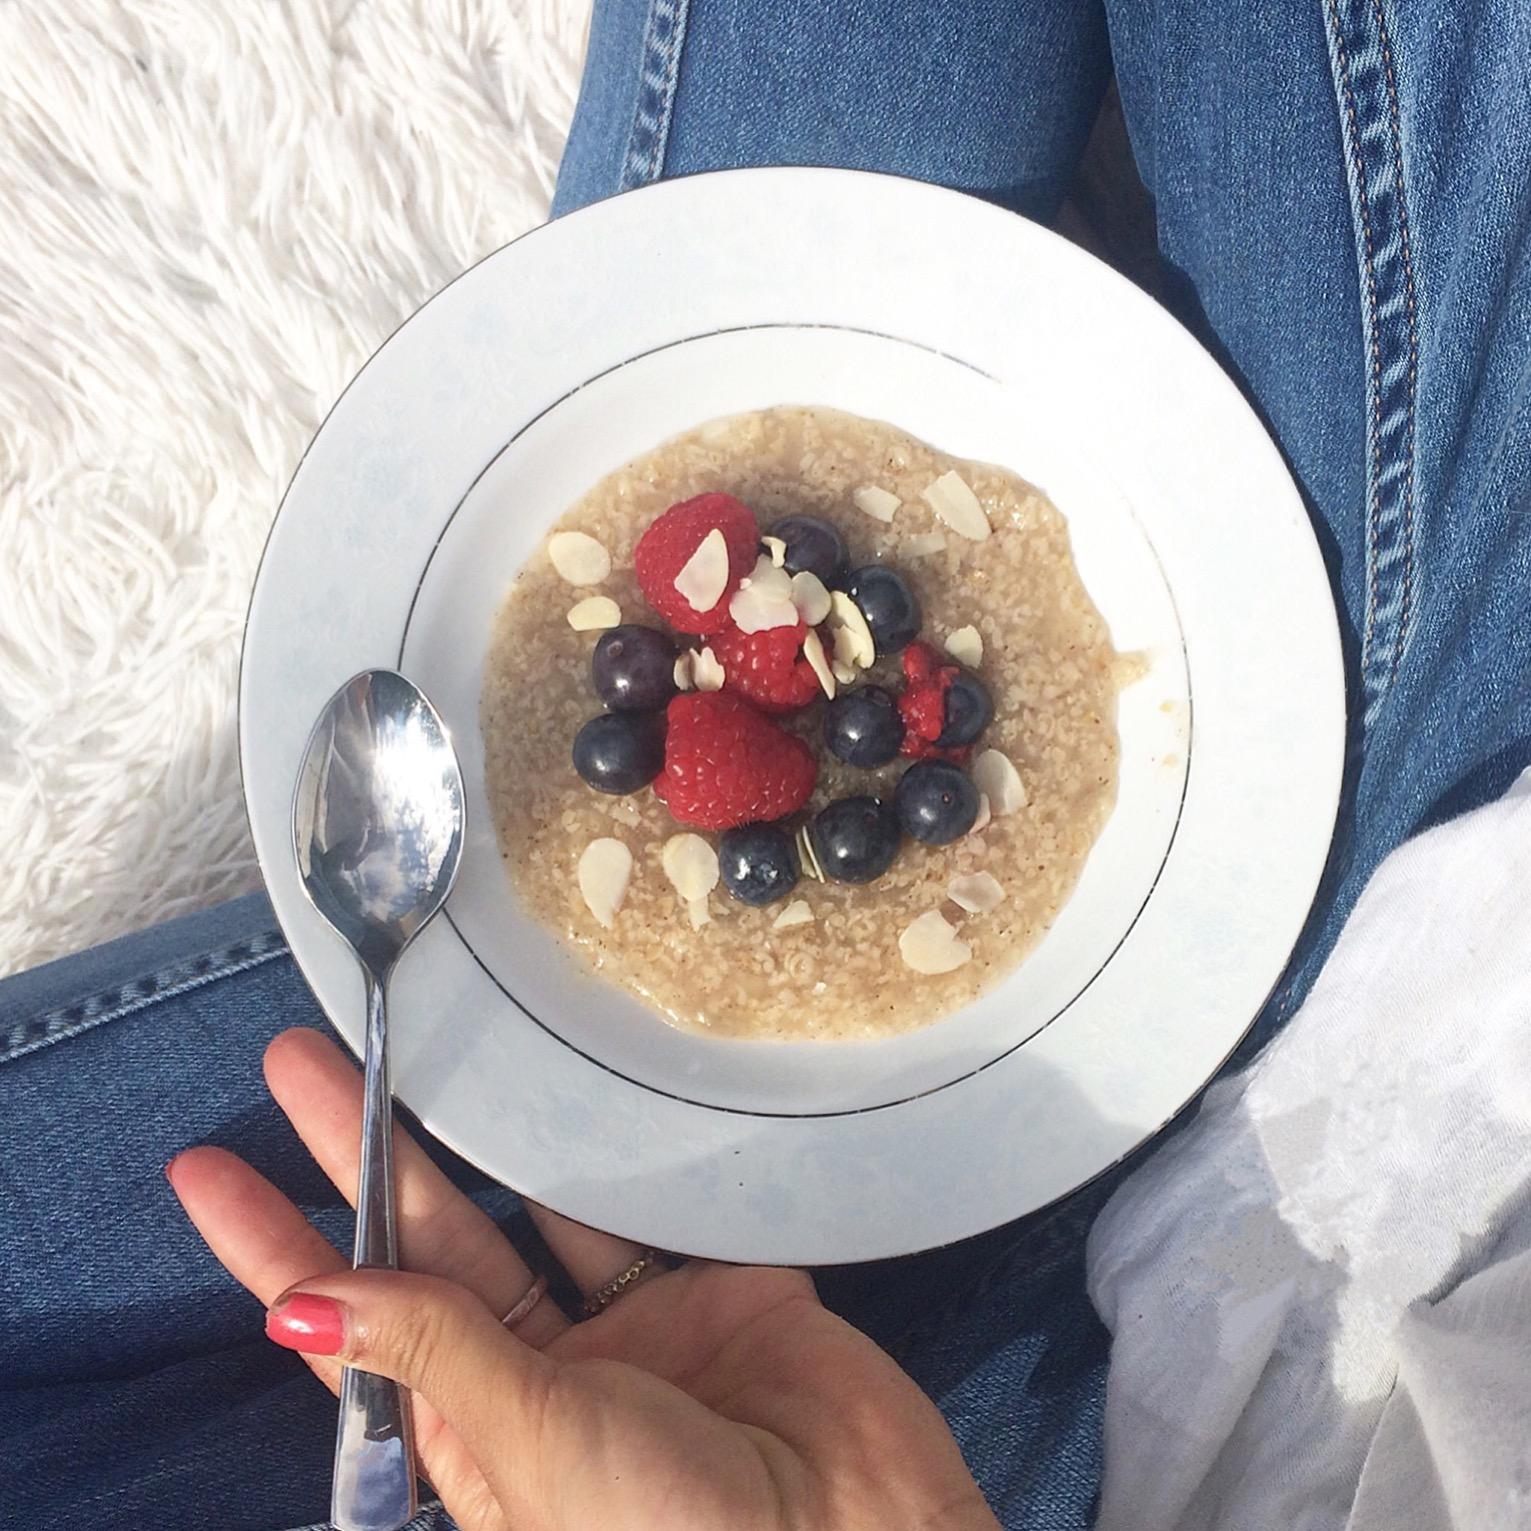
(1362, 60)
(181, 978)
(658, 76)
(1408, 282)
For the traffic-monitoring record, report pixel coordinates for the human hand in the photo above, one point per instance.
(707, 1398)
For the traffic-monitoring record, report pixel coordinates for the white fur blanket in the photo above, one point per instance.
(210, 215)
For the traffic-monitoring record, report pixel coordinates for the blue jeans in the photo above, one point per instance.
(1343, 193)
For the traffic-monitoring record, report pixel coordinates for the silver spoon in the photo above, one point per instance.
(377, 825)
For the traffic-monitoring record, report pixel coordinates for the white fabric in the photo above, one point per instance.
(210, 215)
(1320, 1292)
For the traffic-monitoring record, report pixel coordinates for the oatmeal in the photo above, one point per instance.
(999, 647)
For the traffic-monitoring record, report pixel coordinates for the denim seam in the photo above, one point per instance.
(1366, 81)
(125, 999)
(663, 36)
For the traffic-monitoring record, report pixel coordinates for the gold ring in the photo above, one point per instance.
(603, 1296)
(523, 1308)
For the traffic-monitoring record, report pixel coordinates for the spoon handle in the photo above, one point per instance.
(374, 1482)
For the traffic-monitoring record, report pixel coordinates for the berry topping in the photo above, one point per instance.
(856, 839)
(769, 668)
(725, 764)
(891, 608)
(945, 708)
(759, 863)
(864, 727)
(812, 545)
(619, 752)
(672, 542)
(633, 668)
(936, 802)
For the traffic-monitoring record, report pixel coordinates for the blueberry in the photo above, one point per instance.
(856, 839)
(967, 710)
(759, 863)
(633, 668)
(891, 608)
(936, 802)
(618, 752)
(814, 545)
(863, 727)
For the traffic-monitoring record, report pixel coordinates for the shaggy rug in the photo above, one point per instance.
(211, 215)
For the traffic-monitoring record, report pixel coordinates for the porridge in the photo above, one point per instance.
(885, 855)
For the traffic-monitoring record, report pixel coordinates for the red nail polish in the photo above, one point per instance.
(308, 1323)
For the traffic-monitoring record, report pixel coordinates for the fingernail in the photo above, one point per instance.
(314, 1325)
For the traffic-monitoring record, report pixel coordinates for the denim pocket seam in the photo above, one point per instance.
(39, 1031)
(664, 35)
(1361, 57)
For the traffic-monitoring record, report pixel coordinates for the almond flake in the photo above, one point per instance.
(685, 675)
(753, 610)
(579, 558)
(977, 892)
(813, 652)
(777, 549)
(594, 613)
(985, 815)
(810, 597)
(998, 779)
(879, 504)
(698, 912)
(953, 500)
(796, 913)
(691, 864)
(929, 945)
(706, 670)
(704, 576)
(844, 673)
(807, 856)
(924, 545)
(605, 870)
(853, 638)
(966, 646)
(768, 578)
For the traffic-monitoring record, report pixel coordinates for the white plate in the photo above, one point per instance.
(593, 339)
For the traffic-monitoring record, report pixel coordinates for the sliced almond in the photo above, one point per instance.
(879, 504)
(966, 646)
(704, 576)
(768, 578)
(923, 545)
(777, 549)
(594, 613)
(796, 913)
(807, 856)
(813, 652)
(930, 945)
(579, 558)
(985, 815)
(699, 912)
(977, 892)
(691, 864)
(842, 672)
(853, 638)
(605, 870)
(685, 674)
(706, 670)
(953, 500)
(754, 610)
(810, 597)
(998, 779)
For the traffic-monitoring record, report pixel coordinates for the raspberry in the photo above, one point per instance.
(768, 668)
(726, 765)
(666, 547)
(923, 706)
